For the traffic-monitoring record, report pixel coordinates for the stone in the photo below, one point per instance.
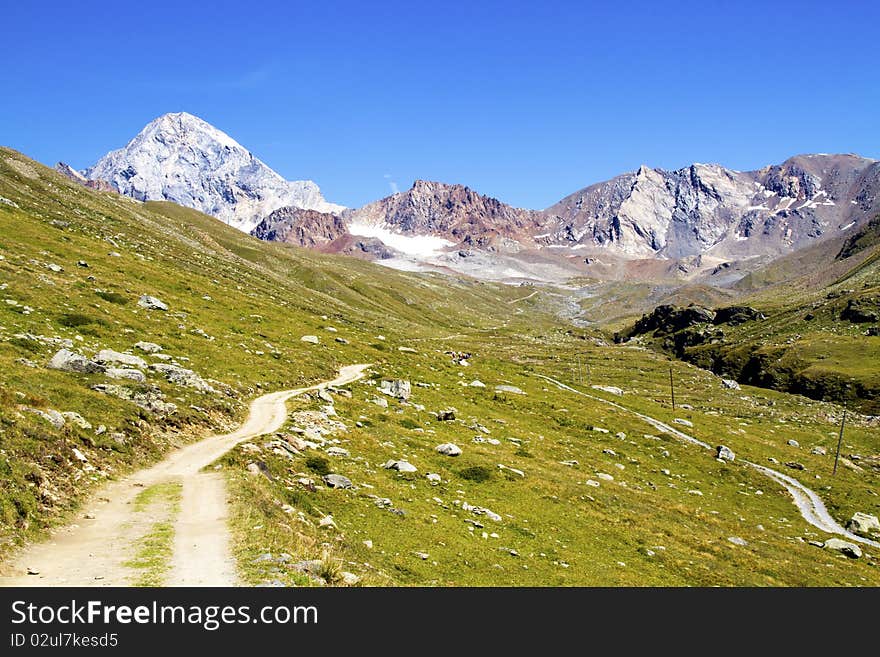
(445, 416)
(433, 477)
(323, 395)
(368, 544)
(379, 401)
(79, 455)
(148, 347)
(725, 453)
(794, 465)
(180, 376)
(736, 540)
(592, 482)
(341, 340)
(449, 449)
(730, 384)
(400, 466)
(407, 350)
(311, 339)
(819, 451)
(51, 416)
(337, 481)
(851, 550)
(793, 443)
(327, 521)
(349, 579)
(476, 383)
(106, 356)
(337, 451)
(123, 373)
(77, 419)
(683, 422)
(253, 469)
(863, 523)
(54, 268)
(604, 476)
(513, 390)
(398, 388)
(70, 361)
(152, 303)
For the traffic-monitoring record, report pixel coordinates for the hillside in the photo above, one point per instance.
(551, 487)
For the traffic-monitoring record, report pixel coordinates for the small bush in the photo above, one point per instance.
(319, 465)
(28, 345)
(477, 473)
(113, 297)
(407, 423)
(75, 320)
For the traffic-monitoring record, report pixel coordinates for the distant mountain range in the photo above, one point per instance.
(699, 221)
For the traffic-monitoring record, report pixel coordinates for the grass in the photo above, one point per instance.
(237, 310)
(153, 556)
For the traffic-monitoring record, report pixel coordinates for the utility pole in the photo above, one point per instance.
(839, 439)
(672, 388)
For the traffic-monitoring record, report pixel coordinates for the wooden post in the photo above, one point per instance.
(672, 388)
(839, 439)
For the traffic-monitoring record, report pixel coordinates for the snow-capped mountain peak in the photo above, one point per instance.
(181, 158)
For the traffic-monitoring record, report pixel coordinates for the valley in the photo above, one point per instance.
(453, 461)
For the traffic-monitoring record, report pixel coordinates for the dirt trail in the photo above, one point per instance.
(808, 502)
(93, 552)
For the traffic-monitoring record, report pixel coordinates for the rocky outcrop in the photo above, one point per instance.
(70, 361)
(80, 179)
(308, 228)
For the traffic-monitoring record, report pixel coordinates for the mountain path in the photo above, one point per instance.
(807, 501)
(94, 551)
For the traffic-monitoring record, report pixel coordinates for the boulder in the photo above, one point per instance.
(400, 466)
(725, 453)
(123, 373)
(513, 390)
(70, 361)
(106, 356)
(476, 383)
(863, 523)
(858, 311)
(613, 390)
(734, 315)
(152, 303)
(819, 451)
(449, 449)
(51, 416)
(730, 384)
(180, 376)
(446, 416)
(148, 347)
(337, 481)
(337, 451)
(77, 419)
(793, 443)
(311, 339)
(683, 422)
(736, 540)
(851, 550)
(433, 477)
(399, 388)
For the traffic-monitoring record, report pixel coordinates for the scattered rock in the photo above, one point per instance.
(794, 465)
(337, 451)
(407, 350)
(683, 422)
(106, 356)
(614, 390)
(400, 466)
(793, 443)
(449, 449)
(571, 463)
(123, 373)
(509, 389)
(151, 303)
(80, 456)
(311, 339)
(327, 521)
(819, 451)
(33, 571)
(253, 469)
(398, 388)
(51, 416)
(736, 540)
(725, 453)
(863, 523)
(851, 550)
(180, 376)
(604, 476)
(349, 579)
(379, 401)
(148, 347)
(593, 483)
(341, 340)
(445, 416)
(507, 468)
(368, 544)
(476, 383)
(337, 481)
(70, 361)
(433, 477)
(730, 384)
(77, 419)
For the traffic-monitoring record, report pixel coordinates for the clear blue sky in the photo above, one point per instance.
(526, 102)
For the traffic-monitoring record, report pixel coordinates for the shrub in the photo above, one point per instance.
(319, 465)
(113, 297)
(477, 473)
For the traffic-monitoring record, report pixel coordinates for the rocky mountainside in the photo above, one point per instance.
(707, 209)
(180, 158)
(308, 228)
(77, 177)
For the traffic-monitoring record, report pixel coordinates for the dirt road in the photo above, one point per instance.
(95, 550)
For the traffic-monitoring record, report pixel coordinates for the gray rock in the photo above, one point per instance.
(449, 449)
(151, 400)
(323, 395)
(337, 451)
(309, 567)
(180, 376)
(311, 339)
(863, 523)
(77, 419)
(148, 347)
(793, 443)
(337, 481)
(51, 416)
(253, 469)
(433, 477)
(350, 579)
(730, 384)
(476, 383)
(400, 466)
(614, 390)
(683, 422)
(106, 356)
(513, 390)
(70, 361)
(341, 340)
(724, 452)
(445, 416)
(819, 451)
(378, 401)
(851, 550)
(399, 388)
(122, 373)
(736, 540)
(152, 303)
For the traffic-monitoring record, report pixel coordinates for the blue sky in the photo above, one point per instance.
(525, 102)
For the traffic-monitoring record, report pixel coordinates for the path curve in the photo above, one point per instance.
(808, 502)
(93, 551)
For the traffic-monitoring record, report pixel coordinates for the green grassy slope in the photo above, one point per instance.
(237, 310)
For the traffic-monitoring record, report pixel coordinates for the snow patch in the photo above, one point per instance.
(420, 246)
